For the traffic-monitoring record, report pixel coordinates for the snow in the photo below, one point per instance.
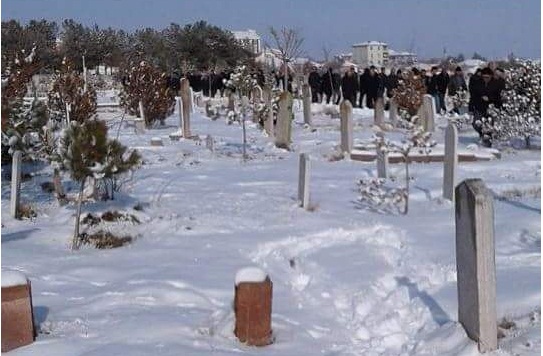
(12, 278)
(347, 280)
(250, 275)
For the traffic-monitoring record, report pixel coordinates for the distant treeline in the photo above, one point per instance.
(193, 46)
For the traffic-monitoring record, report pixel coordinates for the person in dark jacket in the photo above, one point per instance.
(474, 82)
(349, 86)
(457, 82)
(499, 76)
(216, 83)
(392, 82)
(442, 82)
(363, 86)
(336, 81)
(328, 84)
(374, 86)
(486, 92)
(314, 82)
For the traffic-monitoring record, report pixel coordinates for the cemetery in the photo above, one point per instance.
(139, 220)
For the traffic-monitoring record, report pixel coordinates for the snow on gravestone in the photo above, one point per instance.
(428, 107)
(346, 126)
(284, 121)
(379, 112)
(450, 161)
(268, 124)
(303, 181)
(16, 183)
(382, 163)
(475, 263)
(185, 99)
(393, 112)
(140, 123)
(17, 317)
(256, 95)
(156, 141)
(253, 307)
(306, 94)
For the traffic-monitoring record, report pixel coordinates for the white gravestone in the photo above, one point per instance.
(393, 112)
(428, 107)
(284, 121)
(303, 181)
(379, 112)
(382, 163)
(475, 263)
(346, 126)
(16, 183)
(185, 98)
(450, 161)
(306, 93)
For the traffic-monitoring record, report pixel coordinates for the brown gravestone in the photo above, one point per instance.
(17, 318)
(252, 307)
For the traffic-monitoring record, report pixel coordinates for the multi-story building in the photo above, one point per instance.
(401, 59)
(249, 39)
(370, 53)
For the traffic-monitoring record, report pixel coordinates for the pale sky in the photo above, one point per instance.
(493, 28)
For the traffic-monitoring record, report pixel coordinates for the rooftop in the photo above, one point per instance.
(370, 43)
(247, 34)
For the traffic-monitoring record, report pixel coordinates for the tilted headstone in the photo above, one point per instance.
(210, 143)
(382, 163)
(16, 183)
(306, 94)
(284, 121)
(379, 112)
(346, 126)
(303, 181)
(17, 316)
(428, 107)
(253, 307)
(268, 124)
(185, 98)
(475, 263)
(393, 112)
(450, 161)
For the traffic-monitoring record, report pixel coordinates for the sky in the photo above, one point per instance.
(493, 28)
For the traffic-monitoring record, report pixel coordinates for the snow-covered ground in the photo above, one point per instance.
(346, 280)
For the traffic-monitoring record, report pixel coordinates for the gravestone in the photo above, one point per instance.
(268, 124)
(244, 108)
(253, 307)
(346, 126)
(68, 111)
(210, 143)
(306, 94)
(382, 163)
(185, 99)
(192, 106)
(17, 316)
(284, 121)
(231, 102)
(428, 107)
(475, 263)
(450, 161)
(142, 112)
(393, 112)
(303, 181)
(16, 183)
(156, 141)
(379, 112)
(256, 95)
(180, 108)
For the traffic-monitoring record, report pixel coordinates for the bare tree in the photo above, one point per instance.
(289, 43)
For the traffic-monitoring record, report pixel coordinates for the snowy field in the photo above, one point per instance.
(346, 280)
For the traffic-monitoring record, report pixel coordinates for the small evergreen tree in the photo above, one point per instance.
(409, 93)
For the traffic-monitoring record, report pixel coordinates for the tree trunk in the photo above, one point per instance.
(285, 80)
(75, 241)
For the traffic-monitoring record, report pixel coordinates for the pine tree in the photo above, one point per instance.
(520, 114)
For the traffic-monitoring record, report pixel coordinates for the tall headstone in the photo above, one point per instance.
(231, 102)
(268, 124)
(185, 99)
(256, 96)
(16, 183)
(346, 126)
(393, 112)
(306, 94)
(253, 307)
(244, 108)
(303, 181)
(210, 143)
(192, 106)
(284, 121)
(382, 163)
(142, 111)
(428, 107)
(475, 263)
(379, 112)
(450, 161)
(180, 108)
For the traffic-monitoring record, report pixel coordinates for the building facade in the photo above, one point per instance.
(370, 53)
(401, 59)
(249, 39)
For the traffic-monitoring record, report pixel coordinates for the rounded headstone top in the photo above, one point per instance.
(250, 275)
(12, 278)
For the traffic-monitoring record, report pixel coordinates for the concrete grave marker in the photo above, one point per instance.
(17, 315)
(186, 107)
(284, 121)
(450, 161)
(382, 163)
(346, 126)
(428, 107)
(393, 112)
(306, 94)
(268, 124)
(475, 263)
(303, 181)
(379, 112)
(253, 307)
(16, 183)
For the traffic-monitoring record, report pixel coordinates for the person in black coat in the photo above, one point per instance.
(474, 82)
(363, 86)
(328, 84)
(349, 86)
(392, 82)
(314, 82)
(336, 80)
(485, 92)
(374, 88)
(499, 76)
(442, 82)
